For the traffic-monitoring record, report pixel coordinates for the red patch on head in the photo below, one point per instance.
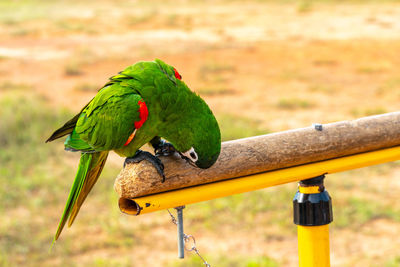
(177, 75)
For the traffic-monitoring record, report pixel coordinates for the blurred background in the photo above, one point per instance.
(262, 66)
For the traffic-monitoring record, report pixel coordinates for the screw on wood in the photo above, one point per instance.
(317, 126)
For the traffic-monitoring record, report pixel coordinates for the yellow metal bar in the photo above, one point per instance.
(313, 246)
(204, 192)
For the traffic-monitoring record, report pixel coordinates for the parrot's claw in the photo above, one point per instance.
(164, 149)
(144, 155)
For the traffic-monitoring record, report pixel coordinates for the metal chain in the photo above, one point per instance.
(187, 239)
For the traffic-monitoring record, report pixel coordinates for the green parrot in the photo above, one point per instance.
(146, 103)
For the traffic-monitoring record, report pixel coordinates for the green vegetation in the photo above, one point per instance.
(27, 183)
(394, 262)
(83, 26)
(358, 112)
(247, 210)
(87, 87)
(304, 6)
(293, 74)
(22, 32)
(354, 212)
(73, 69)
(134, 20)
(214, 72)
(8, 85)
(23, 129)
(214, 67)
(373, 69)
(228, 261)
(34, 182)
(215, 91)
(294, 103)
(390, 86)
(323, 88)
(234, 127)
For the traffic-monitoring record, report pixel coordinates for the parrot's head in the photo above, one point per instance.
(204, 139)
(194, 130)
(204, 150)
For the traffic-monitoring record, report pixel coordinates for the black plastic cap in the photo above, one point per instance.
(312, 209)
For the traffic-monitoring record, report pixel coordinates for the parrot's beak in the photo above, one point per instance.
(187, 160)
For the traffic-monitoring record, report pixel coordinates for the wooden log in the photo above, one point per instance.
(264, 153)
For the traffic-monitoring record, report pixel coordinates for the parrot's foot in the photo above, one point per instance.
(144, 155)
(164, 149)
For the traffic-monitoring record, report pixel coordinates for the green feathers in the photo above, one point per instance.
(173, 112)
(67, 128)
(89, 169)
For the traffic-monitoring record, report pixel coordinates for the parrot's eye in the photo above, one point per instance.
(177, 75)
(190, 154)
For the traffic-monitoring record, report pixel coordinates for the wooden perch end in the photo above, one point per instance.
(262, 153)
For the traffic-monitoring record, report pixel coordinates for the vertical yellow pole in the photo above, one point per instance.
(312, 214)
(313, 246)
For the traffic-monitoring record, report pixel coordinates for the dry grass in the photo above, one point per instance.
(324, 61)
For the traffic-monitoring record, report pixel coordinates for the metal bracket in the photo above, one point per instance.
(181, 235)
(184, 239)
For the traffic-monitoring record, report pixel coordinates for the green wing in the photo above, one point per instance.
(107, 121)
(104, 124)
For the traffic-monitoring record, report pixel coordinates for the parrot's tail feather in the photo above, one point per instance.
(67, 128)
(89, 170)
(91, 178)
